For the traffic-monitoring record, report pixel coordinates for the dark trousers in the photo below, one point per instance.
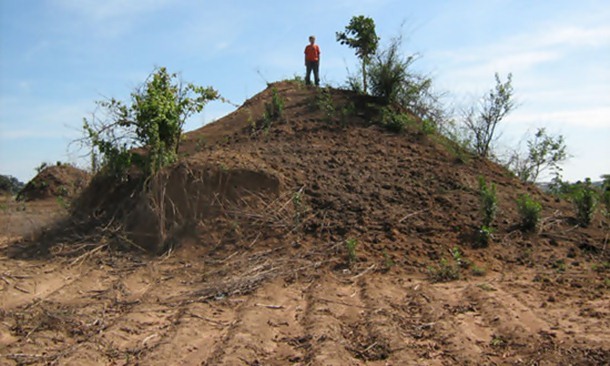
(315, 66)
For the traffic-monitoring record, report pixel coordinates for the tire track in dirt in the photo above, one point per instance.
(195, 336)
(109, 313)
(332, 307)
(396, 321)
(36, 282)
(265, 329)
(591, 324)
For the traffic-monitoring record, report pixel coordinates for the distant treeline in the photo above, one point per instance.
(10, 184)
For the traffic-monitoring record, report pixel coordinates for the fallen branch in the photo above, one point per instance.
(344, 303)
(270, 306)
(413, 214)
(21, 289)
(364, 272)
(81, 258)
(217, 322)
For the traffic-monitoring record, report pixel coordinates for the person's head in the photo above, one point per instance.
(312, 39)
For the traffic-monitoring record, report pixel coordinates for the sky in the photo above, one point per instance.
(57, 57)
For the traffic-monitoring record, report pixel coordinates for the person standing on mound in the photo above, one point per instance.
(312, 61)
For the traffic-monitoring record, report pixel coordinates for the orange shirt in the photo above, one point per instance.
(312, 53)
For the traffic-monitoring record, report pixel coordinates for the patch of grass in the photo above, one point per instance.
(486, 287)
(351, 245)
(62, 191)
(297, 80)
(477, 271)
(559, 265)
(444, 272)
(61, 201)
(459, 259)
(297, 203)
(275, 109)
(395, 121)
(387, 261)
(428, 127)
(456, 149)
(200, 144)
(324, 102)
(497, 341)
(451, 270)
(601, 267)
(348, 110)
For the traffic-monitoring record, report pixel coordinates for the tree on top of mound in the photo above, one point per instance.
(360, 35)
(153, 120)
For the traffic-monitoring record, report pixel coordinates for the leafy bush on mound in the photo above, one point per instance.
(153, 120)
(529, 211)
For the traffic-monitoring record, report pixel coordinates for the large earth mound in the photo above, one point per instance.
(62, 180)
(314, 236)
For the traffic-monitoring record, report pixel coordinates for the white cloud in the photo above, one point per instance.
(100, 11)
(523, 52)
(109, 18)
(592, 118)
(573, 36)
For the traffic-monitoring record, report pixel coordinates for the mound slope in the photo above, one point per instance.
(257, 215)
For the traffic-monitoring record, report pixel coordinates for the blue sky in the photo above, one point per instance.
(57, 57)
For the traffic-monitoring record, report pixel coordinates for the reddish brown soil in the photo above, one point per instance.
(258, 271)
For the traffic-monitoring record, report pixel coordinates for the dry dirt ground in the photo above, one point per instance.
(240, 290)
(272, 306)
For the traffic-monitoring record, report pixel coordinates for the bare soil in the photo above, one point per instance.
(261, 274)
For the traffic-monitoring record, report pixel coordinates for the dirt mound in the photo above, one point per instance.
(311, 239)
(62, 180)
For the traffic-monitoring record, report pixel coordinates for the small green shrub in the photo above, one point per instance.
(585, 200)
(297, 203)
(601, 267)
(350, 246)
(394, 121)
(559, 265)
(477, 271)
(275, 109)
(387, 261)
(489, 202)
(297, 80)
(483, 237)
(497, 342)
(459, 259)
(41, 167)
(529, 212)
(324, 102)
(428, 127)
(444, 272)
(605, 193)
(61, 202)
(347, 111)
